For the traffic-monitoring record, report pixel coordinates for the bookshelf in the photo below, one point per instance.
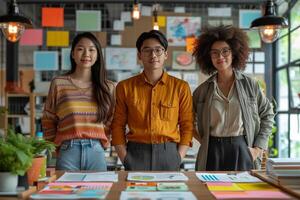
(22, 111)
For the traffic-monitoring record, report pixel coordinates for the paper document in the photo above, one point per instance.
(88, 177)
(157, 195)
(243, 177)
(79, 190)
(141, 176)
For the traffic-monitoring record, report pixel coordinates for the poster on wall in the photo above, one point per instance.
(45, 60)
(32, 37)
(176, 74)
(192, 78)
(247, 16)
(183, 60)
(219, 12)
(121, 58)
(57, 38)
(52, 17)
(88, 20)
(178, 28)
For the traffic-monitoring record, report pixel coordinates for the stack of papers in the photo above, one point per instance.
(153, 177)
(89, 177)
(286, 171)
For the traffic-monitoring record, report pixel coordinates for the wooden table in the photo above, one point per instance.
(198, 188)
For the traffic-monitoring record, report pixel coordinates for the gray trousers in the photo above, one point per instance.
(152, 157)
(229, 154)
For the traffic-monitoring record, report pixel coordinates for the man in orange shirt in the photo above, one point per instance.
(158, 110)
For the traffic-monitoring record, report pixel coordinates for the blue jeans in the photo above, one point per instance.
(81, 154)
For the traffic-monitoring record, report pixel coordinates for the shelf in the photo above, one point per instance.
(23, 106)
(17, 115)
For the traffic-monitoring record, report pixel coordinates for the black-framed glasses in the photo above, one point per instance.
(157, 51)
(215, 53)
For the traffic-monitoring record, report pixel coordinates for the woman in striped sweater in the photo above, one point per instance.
(79, 108)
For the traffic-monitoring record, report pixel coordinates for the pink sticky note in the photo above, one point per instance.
(268, 194)
(219, 184)
(32, 37)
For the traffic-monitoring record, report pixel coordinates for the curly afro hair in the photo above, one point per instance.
(236, 38)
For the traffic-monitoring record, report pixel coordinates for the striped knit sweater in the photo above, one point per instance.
(70, 112)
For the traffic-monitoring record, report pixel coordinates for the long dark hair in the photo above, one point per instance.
(236, 38)
(99, 78)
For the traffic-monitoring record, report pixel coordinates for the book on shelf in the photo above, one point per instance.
(282, 164)
(283, 161)
(284, 171)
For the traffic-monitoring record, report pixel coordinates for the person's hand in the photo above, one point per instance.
(255, 152)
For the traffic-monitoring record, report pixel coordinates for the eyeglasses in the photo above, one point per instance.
(225, 52)
(157, 51)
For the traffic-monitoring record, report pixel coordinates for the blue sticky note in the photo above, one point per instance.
(45, 60)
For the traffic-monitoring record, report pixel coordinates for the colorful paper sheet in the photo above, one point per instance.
(45, 60)
(57, 38)
(250, 195)
(256, 186)
(161, 20)
(88, 20)
(52, 17)
(32, 37)
(221, 186)
(228, 177)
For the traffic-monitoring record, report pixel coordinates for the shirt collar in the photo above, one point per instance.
(237, 74)
(163, 80)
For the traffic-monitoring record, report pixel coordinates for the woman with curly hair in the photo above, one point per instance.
(233, 117)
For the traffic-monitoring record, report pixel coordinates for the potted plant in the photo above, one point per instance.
(40, 149)
(15, 158)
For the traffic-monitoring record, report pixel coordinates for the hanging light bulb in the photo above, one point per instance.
(269, 25)
(136, 11)
(155, 22)
(269, 33)
(13, 24)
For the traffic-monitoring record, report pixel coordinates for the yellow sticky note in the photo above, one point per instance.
(161, 20)
(256, 186)
(57, 38)
(223, 187)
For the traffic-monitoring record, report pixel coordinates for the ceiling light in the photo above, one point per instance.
(13, 24)
(136, 11)
(269, 25)
(155, 22)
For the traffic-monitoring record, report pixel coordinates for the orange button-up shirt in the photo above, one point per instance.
(154, 113)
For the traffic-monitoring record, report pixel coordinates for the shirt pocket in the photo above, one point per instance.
(168, 111)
